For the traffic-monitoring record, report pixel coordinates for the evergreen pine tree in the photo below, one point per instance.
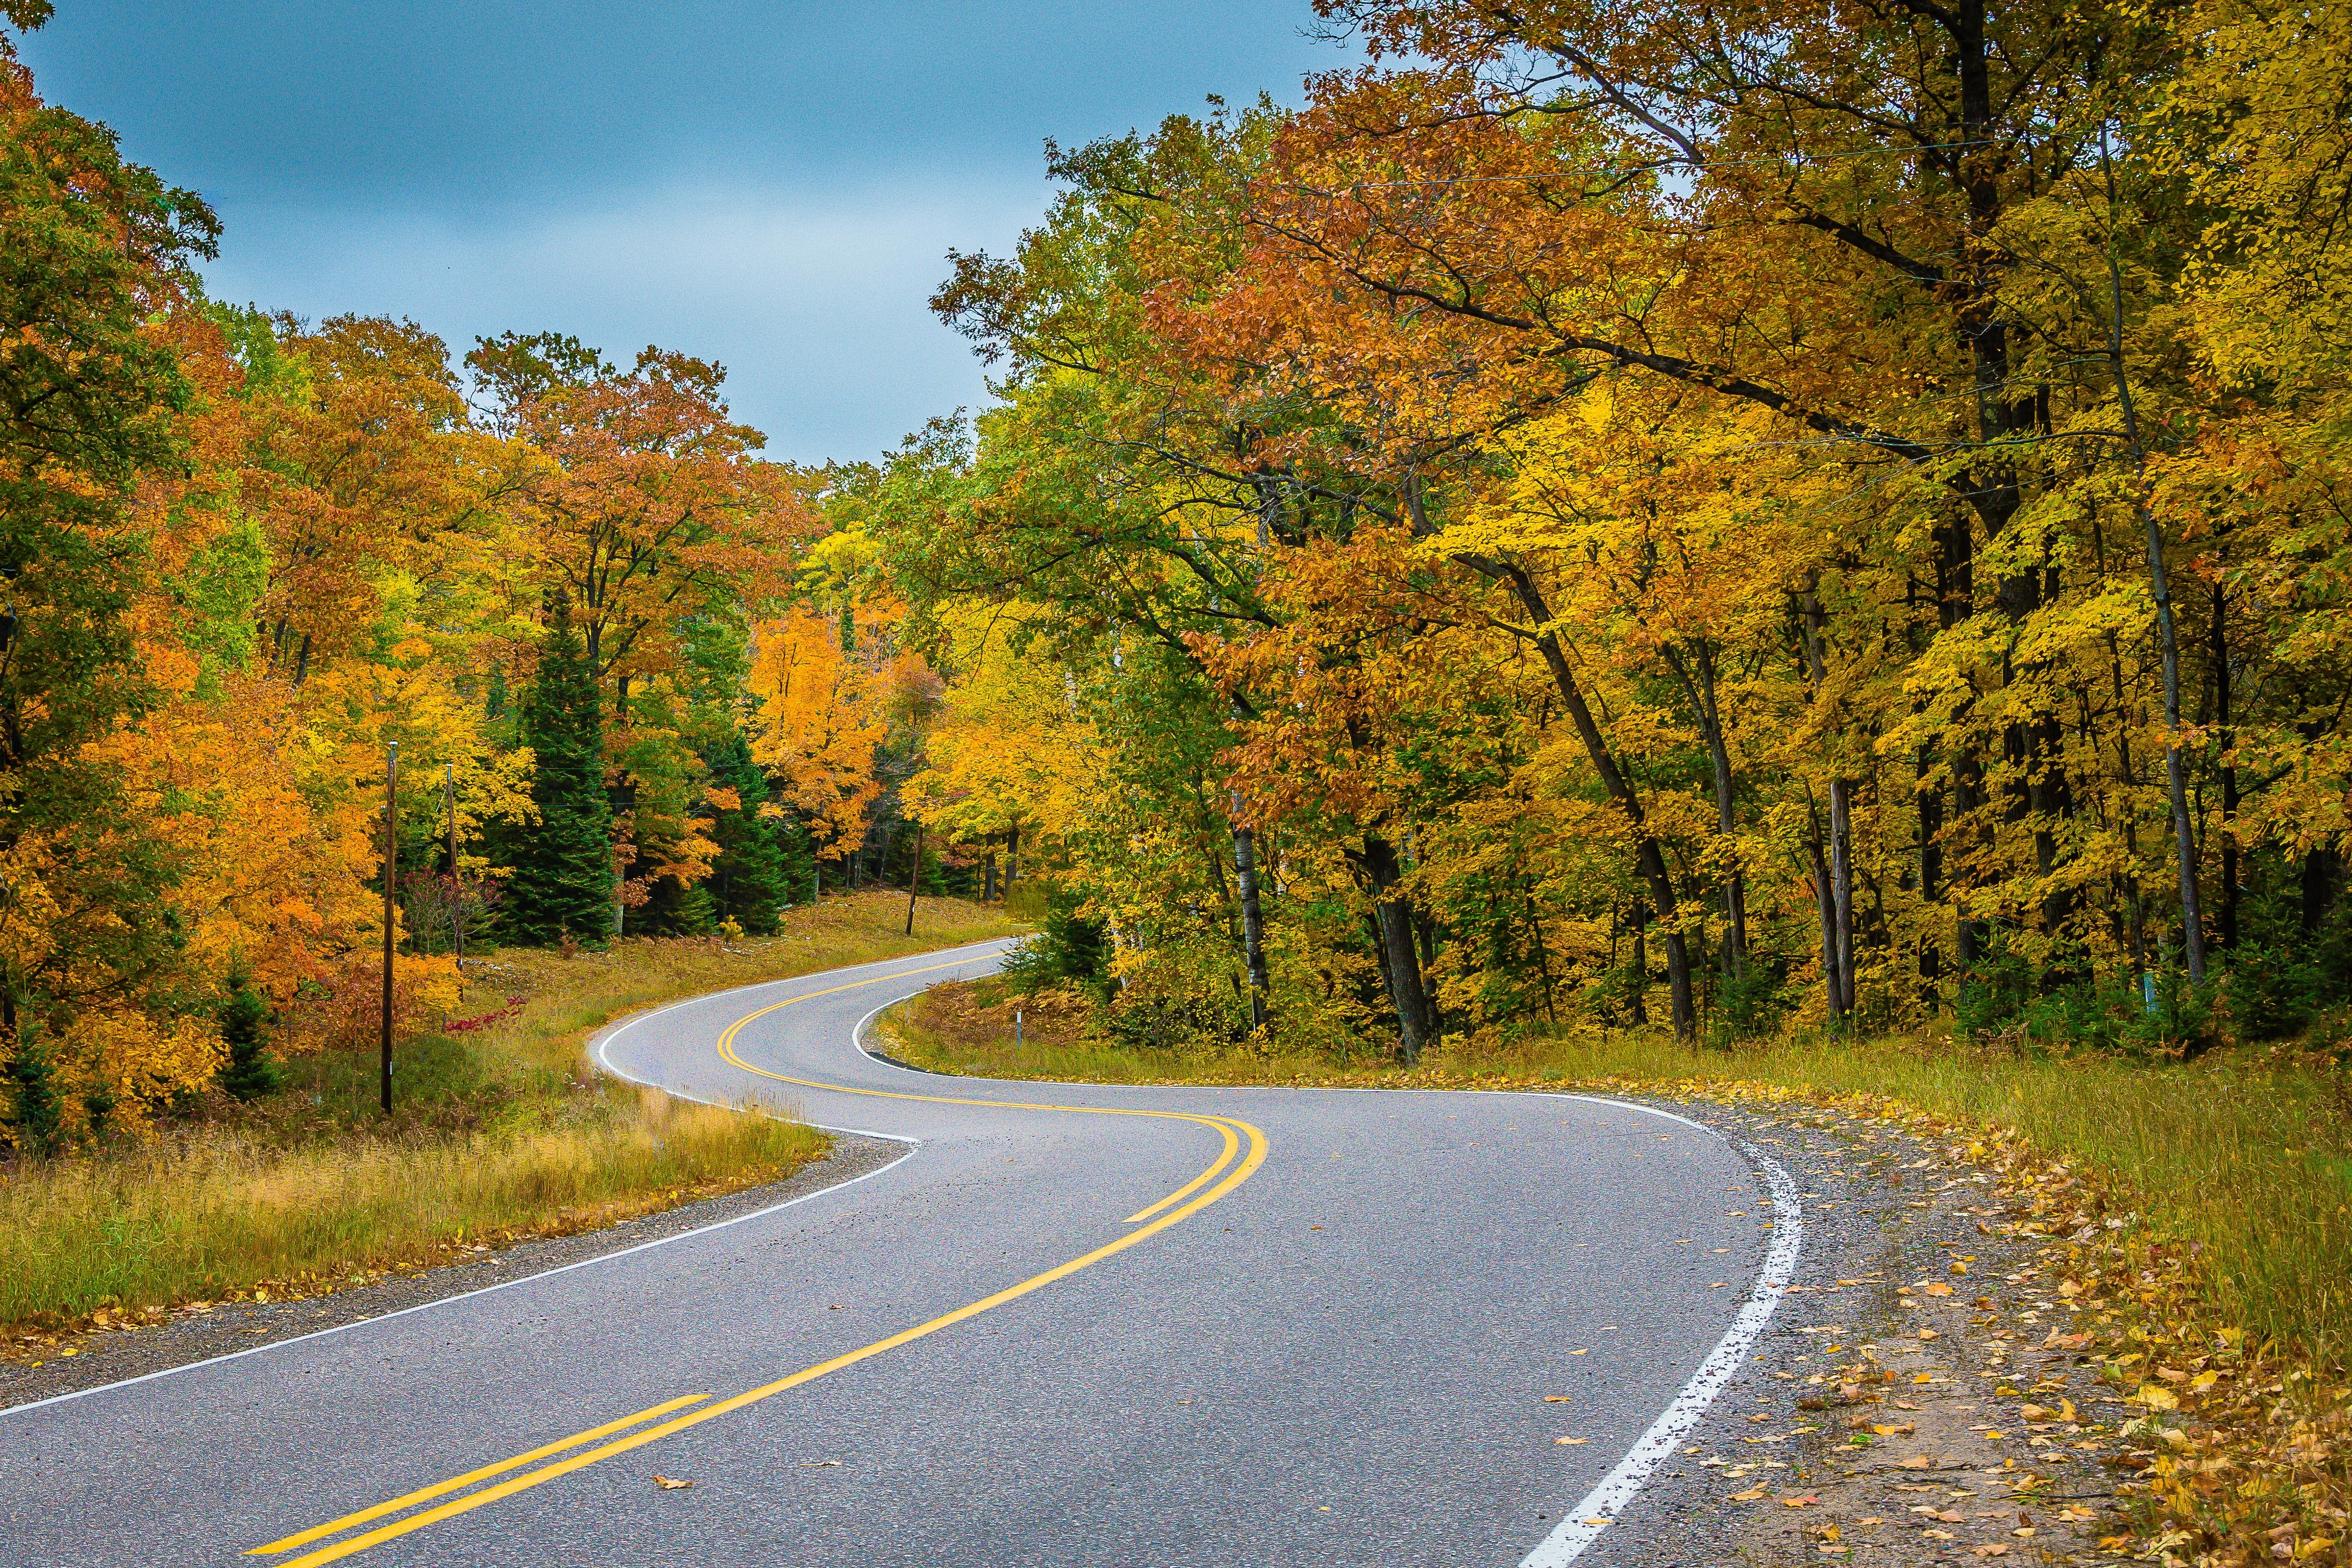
(563, 879)
(754, 876)
(36, 1112)
(250, 1072)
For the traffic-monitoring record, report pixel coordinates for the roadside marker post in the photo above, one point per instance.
(390, 876)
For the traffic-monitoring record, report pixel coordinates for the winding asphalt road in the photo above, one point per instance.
(1072, 1325)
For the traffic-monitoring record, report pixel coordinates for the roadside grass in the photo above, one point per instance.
(499, 1131)
(2244, 1156)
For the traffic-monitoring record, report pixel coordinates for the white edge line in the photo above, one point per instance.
(605, 1061)
(1598, 1509)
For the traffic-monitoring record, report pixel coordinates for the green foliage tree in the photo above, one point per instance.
(563, 880)
(91, 399)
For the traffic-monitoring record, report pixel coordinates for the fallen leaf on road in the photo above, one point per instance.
(668, 1483)
(1919, 1462)
(1939, 1289)
(1992, 1549)
(1576, 1352)
(1750, 1495)
(1571, 1442)
(810, 1464)
(1905, 1430)
(1807, 1500)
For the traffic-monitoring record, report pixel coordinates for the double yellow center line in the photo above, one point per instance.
(1174, 1209)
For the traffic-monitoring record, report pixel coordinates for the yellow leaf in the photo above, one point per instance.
(2156, 1396)
(668, 1483)
(1571, 1442)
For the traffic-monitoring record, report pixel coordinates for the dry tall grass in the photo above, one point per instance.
(501, 1129)
(218, 1212)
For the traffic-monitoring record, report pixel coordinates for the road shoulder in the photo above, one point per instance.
(1898, 1409)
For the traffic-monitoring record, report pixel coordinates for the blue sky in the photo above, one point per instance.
(771, 186)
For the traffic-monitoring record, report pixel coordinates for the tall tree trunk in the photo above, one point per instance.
(988, 878)
(1839, 936)
(1394, 914)
(1641, 962)
(2316, 889)
(1842, 886)
(1649, 860)
(2227, 740)
(1930, 799)
(1253, 922)
(2167, 640)
(1825, 902)
(1011, 857)
(1699, 687)
(1954, 553)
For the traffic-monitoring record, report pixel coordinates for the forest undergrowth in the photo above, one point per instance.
(499, 1131)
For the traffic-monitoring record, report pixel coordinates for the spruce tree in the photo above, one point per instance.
(752, 876)
(250, 1072)
(36, 1112)
(563, 879)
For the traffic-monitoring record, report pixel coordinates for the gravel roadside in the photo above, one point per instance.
(1893, 1411)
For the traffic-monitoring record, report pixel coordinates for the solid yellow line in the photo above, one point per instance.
(1233, 1145)
(336, 1527)
(1239, 1174)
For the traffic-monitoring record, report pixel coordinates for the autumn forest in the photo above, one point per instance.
(1726, 519)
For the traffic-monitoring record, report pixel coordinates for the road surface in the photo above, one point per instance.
(1071, 1325)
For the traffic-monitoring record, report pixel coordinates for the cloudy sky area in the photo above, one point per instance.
(771, 186)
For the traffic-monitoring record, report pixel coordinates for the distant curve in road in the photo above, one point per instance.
(1074, 1324)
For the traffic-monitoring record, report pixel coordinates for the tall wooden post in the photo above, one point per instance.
(456, 888)
(914, 879)
(391, 879)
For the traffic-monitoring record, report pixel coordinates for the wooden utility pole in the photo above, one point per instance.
(456, 888)
(914, 879)
(391, 879)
